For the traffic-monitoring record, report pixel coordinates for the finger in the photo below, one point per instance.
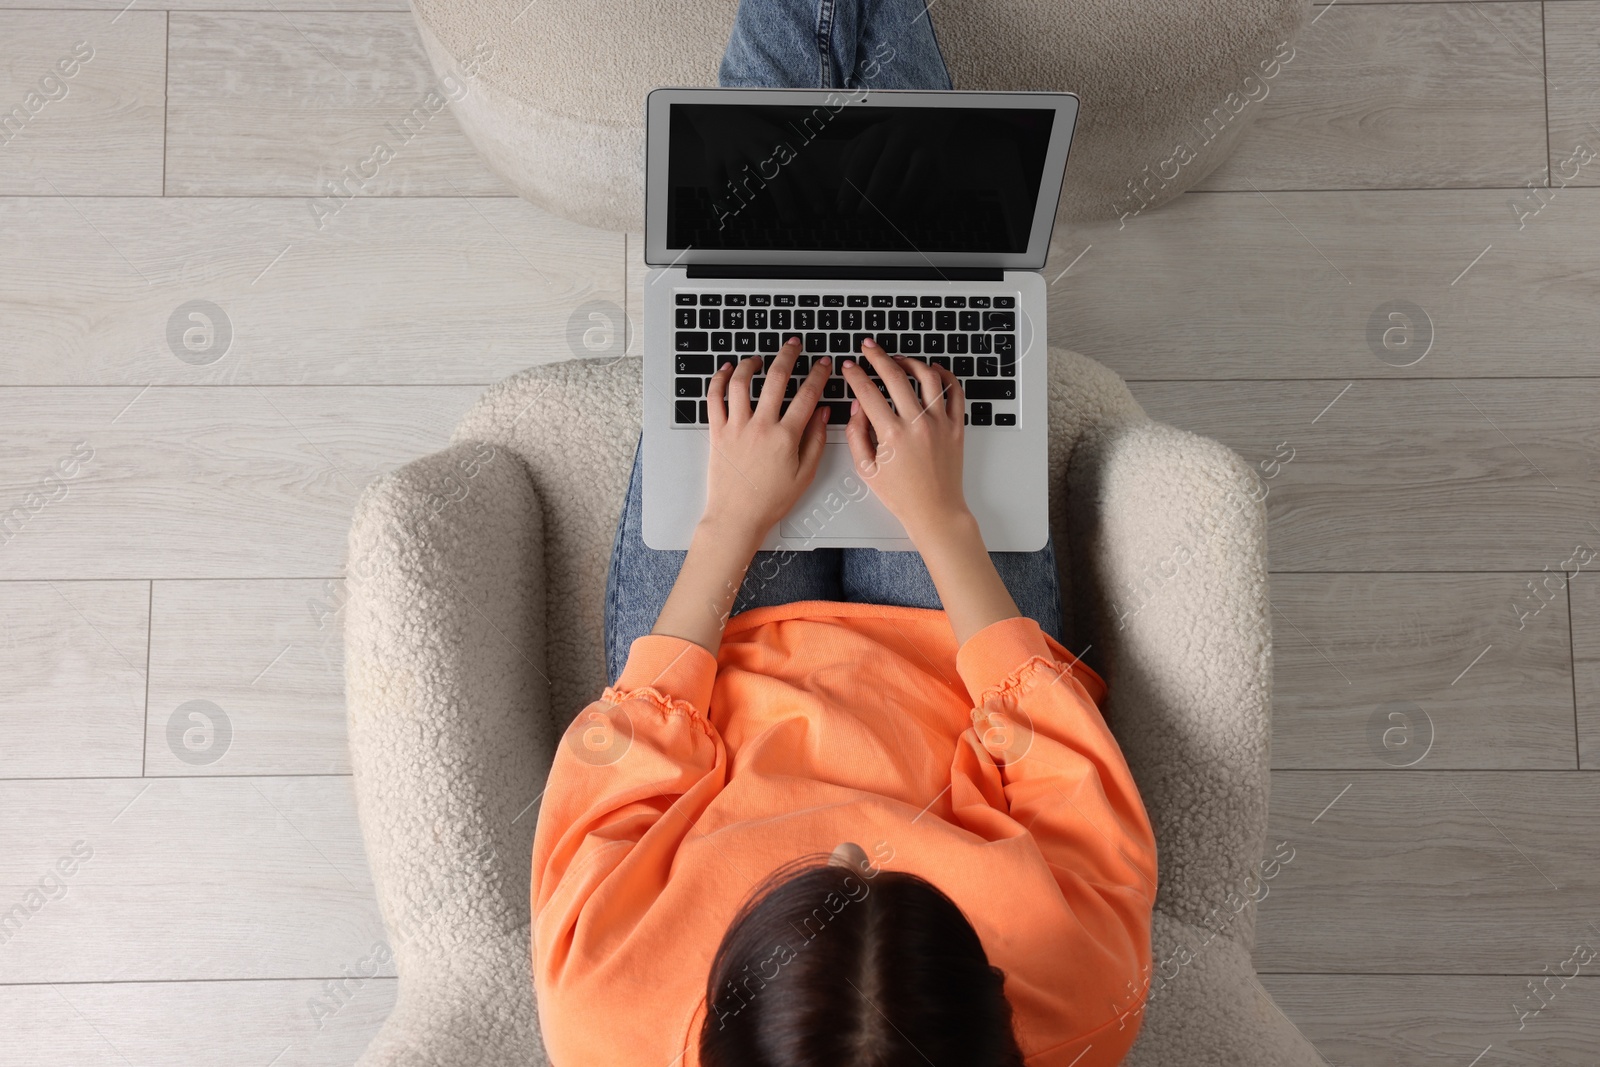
(872, 401)
(856, 436)
(810, 391)
(714, 399)
(778, 378)
(955, 400)
(739, 390)
(889, 369)
(927, 376)
(812, 443)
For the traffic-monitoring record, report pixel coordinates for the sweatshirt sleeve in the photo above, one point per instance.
(630, 777)
(1064, 780)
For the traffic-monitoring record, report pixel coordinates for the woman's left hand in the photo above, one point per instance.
(760, 461)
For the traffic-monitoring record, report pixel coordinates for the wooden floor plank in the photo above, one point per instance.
(112, 7)
(183, 879)
(210, 482)
(1571, 28)
(316, 104)
(1584, 591)
(269, 655)
(179, 1024)
(1414, 871)
(72, 670)
(1307, 285)
(1400, 96)
(1377, 670)
(81, 103)
(1408, 475)
(390, 290)
(1447, 1020)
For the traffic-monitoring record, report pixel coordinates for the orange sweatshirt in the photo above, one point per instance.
(987, 770)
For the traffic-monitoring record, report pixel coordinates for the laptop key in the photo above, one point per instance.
(1008, 366)
(810, 300)
(685, 298)
(838, 411)
(760, 300)
(1005, 418)
(755, 319)
(833, 300)
(940, 361)
(683, 411)
(816, 342)
(856, 300)
(899, 320)
(933, 342)
(1005, 301)
(850, 320)
(955, 301)
(1005, 344)
(722, 342)
(838, 342)
(999, 320)
(982, 413)
(710, 299)
(827, 320)
(833, 388)
(988, 366)
(971, 321)
(783, 300)
(889, 342)
(883, 301)
(982, 343)
(910, 344)
(734, 300)
(710, 318)
(922, 320)
(977, 302)
(705, 419)
(856, 340)
(905, 301)
(956, 343)
(744, 342)
(931, 301)
(692, 342)
(875, 319)
(944, 321)
(962, 367)
(768, 342)
(733, 319)
(782, 319)
(687, 387)
(685, 319)
(991, 389)
(805, 320)
(730, 359)
(695, 364)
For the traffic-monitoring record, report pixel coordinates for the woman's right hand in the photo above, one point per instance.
(914, 465)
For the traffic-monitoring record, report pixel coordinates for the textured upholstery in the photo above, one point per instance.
(552, 92)
(476, 588)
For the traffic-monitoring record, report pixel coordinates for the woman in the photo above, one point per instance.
(857, 808)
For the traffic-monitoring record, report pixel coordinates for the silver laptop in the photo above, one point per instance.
(918, 218)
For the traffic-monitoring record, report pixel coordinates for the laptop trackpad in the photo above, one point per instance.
(838, 504)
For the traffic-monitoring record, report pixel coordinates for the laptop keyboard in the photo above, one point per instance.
(974, 337)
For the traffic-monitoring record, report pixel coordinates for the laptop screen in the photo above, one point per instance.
(787, 178)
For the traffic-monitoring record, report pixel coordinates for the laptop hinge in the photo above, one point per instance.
(882, 274)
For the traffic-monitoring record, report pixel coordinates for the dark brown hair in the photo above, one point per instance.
(827, 966)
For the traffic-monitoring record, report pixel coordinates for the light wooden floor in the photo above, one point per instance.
(189, 543)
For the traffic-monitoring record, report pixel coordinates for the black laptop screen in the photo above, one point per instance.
(854, 178)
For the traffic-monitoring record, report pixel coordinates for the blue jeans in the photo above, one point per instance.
(833, 44)
(641, 577)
